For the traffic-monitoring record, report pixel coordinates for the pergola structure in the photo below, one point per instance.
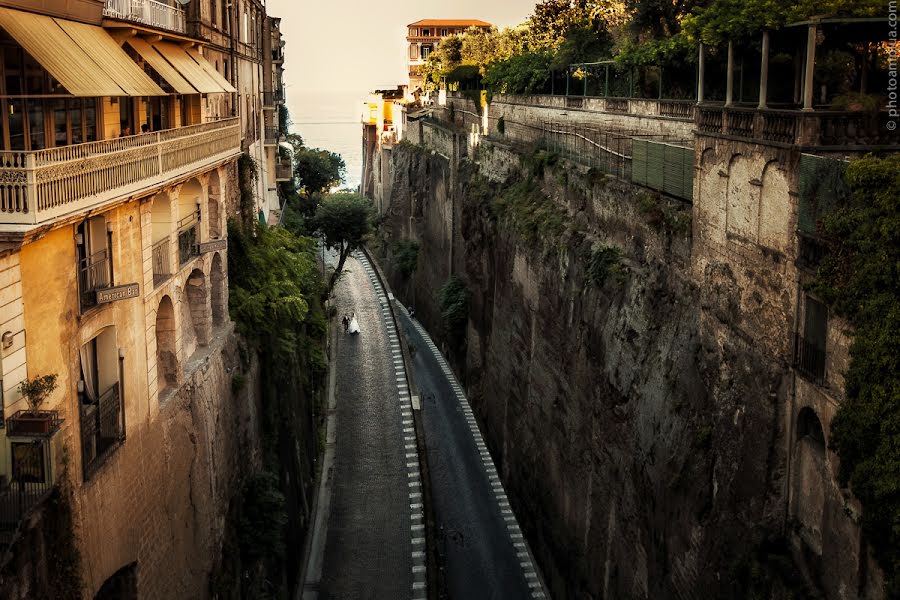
(858, 30)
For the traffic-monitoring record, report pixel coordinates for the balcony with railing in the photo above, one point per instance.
(43, 185)
(284, 170)
(28, 486)
(272, 136)
(188, 239)
(147, 12)
(94, 274)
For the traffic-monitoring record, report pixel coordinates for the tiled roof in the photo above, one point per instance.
(450, 23)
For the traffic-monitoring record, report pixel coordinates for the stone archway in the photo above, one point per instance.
(122, 585)
(810, 477)
(160, 236)
(197, 295)
(166, 355)
(219, 294)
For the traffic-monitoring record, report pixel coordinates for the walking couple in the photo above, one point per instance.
(351, 325)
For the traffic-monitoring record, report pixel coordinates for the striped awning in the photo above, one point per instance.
(161, 65)
(188, 68)
(59, 54)
(210, 70)
(111, 59)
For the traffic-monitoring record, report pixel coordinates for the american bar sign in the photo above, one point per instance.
(213, 246)
(121, 292)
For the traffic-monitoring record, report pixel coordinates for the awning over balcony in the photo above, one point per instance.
(189, 69)
(161, 65)
(64, 59)
(111, 59)
(210, 70)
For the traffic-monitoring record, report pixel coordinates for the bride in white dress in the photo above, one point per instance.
(354, 324)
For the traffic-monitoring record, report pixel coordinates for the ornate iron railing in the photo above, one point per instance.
(147, 12)
(37, 187)
(283, 170)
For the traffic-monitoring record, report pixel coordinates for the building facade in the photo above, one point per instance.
(424, 36)
(122, 124)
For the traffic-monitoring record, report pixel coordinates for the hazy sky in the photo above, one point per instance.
(355, 45)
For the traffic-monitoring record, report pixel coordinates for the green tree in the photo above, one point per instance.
(344, 220)
(521, 74)
(317, 170)
(860, 279)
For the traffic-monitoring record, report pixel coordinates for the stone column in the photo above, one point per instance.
(764, 71)
(701, 64)
(810, 67)
(729, 78)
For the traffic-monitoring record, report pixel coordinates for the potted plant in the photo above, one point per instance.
(35, 391)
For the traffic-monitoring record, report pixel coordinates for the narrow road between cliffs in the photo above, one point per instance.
(368, 534)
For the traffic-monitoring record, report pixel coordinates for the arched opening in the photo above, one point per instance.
(161, 229)
(214, 218)
(198, 303)
(122, 585)
(102, 423)
(189, 200)
(219, 297)
(166, 356)
(811, 479)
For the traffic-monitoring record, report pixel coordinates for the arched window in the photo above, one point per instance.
(166, 355)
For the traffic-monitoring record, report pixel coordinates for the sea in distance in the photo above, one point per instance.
(331, 121)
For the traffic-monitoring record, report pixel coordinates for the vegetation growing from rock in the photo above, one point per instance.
(406, 255)
(262, 519)
(453, 300)
(860, 279)
(605, 264)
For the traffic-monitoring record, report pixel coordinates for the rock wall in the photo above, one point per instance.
(639, 427)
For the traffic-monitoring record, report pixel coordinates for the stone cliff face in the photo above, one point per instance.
(636, 425)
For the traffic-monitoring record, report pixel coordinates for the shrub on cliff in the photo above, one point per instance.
(860, 279)
(406, 256)
(453, 300)
(263, 517)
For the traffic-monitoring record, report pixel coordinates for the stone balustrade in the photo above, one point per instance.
(810, 129)
(37, 187)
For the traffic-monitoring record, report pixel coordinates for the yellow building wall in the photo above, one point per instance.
(56, 330)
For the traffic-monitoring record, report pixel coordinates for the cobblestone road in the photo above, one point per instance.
(368, 545)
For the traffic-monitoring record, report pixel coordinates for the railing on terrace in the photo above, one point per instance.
(816, 128)
(682, 110)
(29, 485)
(94, 273)
(188, 246)
(147, 12)
(272, 135)
(162, 261)
(809, 359)
(43, 185)
(283, 170)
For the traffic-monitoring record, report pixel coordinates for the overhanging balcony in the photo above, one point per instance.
(147, 12)
(283, 170)
(38, 187)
